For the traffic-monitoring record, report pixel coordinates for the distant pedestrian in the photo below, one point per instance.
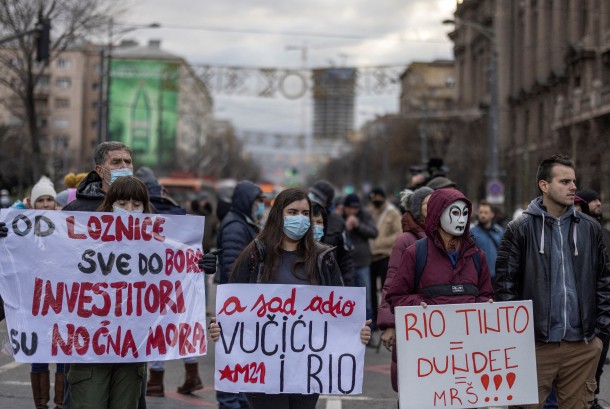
(488, 234)
(361, 228)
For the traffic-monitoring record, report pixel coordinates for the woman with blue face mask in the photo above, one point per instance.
(285, 252)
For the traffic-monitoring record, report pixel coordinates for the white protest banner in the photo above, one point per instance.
(466, 355)
(289, 339)
(102, 287)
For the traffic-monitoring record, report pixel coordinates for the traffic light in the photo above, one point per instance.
(43, 39)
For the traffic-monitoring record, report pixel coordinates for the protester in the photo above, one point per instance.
(488, 234)
(322, 192)
(204, 206)
(555, 257)
(319, 220)
(285, 253)
(112, 160)
(237, 229)
(387, 219)
(5, 199)
(452, 269)
(43, 198)
(361, 228)
(71, 180)
(413, 227)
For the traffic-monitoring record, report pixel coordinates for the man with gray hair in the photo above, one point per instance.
(112, 160)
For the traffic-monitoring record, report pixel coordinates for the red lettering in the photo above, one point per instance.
(151, 298)
(83, 299)
(72, 297)
(122, 230)
(108, 219)
(139, 285)
(234, 304)
(70, 226)
(158, 229)
(53, 301)
(185, 347)
(199, 337)
(410, 326)
(94, 228)
(118, 286)
(99, 289)
(57, 340)
(36, 296)
(81, 333)
(129, 344)
(145, 224)
(156, 340)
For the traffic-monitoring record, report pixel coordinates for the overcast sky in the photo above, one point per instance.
(256, 33)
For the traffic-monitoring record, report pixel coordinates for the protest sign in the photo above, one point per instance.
(289, 339)
(466, 355)
(102, 287)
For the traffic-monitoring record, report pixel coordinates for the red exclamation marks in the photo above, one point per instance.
(485, 382)
(510, 379)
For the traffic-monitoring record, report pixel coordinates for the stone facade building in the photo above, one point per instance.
(553, 59)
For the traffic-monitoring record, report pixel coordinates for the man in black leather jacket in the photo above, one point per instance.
(555, 256)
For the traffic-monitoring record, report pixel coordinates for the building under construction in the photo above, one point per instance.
(334, 93)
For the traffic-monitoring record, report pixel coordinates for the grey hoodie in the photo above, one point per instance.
(564, 310)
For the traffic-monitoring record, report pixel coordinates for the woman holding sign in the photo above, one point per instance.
(285, 253)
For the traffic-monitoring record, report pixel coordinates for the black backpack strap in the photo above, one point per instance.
(421, 257)
(476, 258)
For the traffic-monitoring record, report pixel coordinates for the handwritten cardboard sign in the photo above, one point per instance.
(466, 355)
(102, 287)
(289, 339)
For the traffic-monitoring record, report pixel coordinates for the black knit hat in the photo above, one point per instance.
(324, 190)
(352, 200)
(588, 195)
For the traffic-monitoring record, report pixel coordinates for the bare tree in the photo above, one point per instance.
(19, 70)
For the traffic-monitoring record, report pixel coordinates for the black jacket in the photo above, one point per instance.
(237, 228)
(250, 270)
(522, 271)
(336, 236)
(89, 194)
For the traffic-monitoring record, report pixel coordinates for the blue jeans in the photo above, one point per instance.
(551, 400)
(228, 400)
(362, 278)
(38, 368)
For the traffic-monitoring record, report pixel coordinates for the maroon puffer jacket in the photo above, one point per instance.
(439, 269)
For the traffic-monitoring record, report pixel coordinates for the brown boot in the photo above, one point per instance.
(192, 382)
(59, 390)
(154, 386)
(40, 389)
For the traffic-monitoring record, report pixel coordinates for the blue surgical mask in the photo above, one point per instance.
(318, 232)
(296, 227)
(117, 173)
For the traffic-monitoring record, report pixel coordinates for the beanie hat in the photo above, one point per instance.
(405, 200)
(415, 201)
(378, 191)
(324, 190)
(62, 198)
(352, 200)
(440, 182)
(588, 195)
(44, 187)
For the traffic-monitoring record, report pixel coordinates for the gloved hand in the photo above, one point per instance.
(207, 263)
(3, 230)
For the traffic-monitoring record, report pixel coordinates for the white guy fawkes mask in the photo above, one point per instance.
(455, 218)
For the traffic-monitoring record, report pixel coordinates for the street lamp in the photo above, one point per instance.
(105, 77)
(494, 186)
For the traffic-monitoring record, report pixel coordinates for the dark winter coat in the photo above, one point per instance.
(360, 236)
(251, 268)
(523, 270)
(412, 232)
(237, 228)
(336, 236)
(89, 194)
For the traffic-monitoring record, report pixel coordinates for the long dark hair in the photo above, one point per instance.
(126, 188)
(272, 234)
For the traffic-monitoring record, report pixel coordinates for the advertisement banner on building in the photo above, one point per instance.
(143, 108)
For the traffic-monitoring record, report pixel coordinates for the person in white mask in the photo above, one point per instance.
(298, 259)
(112, 161)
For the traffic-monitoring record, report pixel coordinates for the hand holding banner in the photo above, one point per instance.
(289, 339)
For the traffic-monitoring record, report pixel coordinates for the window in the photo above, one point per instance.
(62, 103)
(63, 82)
(61, 123)
(63, 63)
(43, 82)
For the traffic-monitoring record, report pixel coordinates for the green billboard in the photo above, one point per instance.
(143, 108)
